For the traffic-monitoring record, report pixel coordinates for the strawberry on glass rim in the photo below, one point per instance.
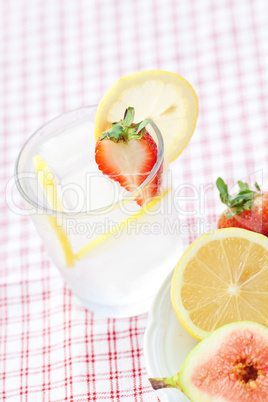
(248, 209)
(127, 154)
(164, 97)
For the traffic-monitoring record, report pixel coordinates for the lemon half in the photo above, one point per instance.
(221, 278)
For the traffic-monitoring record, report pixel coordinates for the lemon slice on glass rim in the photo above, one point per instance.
(221, 278)
(164, 97)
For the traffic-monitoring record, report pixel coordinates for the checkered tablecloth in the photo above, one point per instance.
(57, 55)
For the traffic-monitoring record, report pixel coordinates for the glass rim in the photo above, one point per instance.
(131, 195)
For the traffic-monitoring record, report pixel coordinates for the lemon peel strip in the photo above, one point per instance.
(45, 178)
(121, 225)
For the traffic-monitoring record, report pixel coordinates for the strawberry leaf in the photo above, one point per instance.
(242, 198)
(114, 133)
(243, 186)
(142, 124)
(239, 209)
(230, 215)
(125, 130)
(257, 186)
(241, 201)
(129, 116)
(248, 205)
(223, 189)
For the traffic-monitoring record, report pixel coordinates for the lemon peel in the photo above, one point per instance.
(45, 178)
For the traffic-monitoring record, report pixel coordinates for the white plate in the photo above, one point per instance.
(166, 343)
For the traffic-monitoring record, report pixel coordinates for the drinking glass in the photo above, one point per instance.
(113, 253)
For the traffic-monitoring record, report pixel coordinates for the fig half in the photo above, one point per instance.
(230, 365)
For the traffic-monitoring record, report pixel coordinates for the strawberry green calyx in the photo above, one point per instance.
(241, 201)
(125, 130)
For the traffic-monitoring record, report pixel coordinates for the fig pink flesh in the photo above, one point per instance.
(239, 371)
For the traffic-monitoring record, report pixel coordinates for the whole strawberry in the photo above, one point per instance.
(247, 210)
(127, 154)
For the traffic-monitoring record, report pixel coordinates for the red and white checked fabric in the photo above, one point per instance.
(61, 54)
